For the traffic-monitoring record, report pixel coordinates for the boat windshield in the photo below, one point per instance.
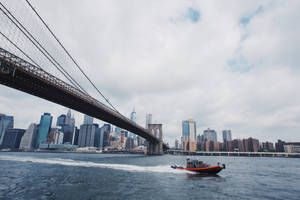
(195, 164)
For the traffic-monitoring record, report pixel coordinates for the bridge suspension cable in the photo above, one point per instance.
(34, 41)
(70, 56)
(17, 47)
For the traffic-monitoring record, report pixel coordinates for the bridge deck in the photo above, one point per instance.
(21, 75)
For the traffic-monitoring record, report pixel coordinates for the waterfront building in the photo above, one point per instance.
(129, 143)
(279, 146)
(99, 138)
(88, 120)
(176, 143)
(12, 138)
(61, 120)
(217, 146)
(118, 130)
(201, 146)
(140, 141)
(122, 137)
(148, 120)
(292, 147)
(251, 145)
(190, 146)
(76, 136)
(106, 135)
(236, 145)
(68, 131)
(226, 135)
(200, 138)
(210, 135)
(60, 147)
(87, 135)
(209, 145)
(55, 136)
(6, 122)
(268, 146)
(67, 124)
(68, 118)
(29, 137)
(107, 127)
(189, 130)
(44, 128)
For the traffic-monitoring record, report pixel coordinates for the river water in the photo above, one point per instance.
(117, 176)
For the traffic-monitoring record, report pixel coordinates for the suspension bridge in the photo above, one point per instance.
(29, 47)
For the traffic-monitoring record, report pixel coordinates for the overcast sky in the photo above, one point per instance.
(226, 64)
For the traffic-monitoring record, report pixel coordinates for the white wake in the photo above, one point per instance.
(69, 162)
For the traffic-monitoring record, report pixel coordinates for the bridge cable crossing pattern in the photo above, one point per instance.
(71, 57)
(37, 44)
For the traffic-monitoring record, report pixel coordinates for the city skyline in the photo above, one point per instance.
(218, 135)
(226, 77)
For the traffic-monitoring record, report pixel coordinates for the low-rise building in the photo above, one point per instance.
(190, 146)
(268, 146)
(292, 147)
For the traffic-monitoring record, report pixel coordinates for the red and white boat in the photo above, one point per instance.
(200, 167)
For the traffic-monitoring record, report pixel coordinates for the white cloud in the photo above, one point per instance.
(139, 57)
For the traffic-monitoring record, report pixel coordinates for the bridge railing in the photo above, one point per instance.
(21, 64)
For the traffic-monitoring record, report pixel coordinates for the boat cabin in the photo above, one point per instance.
(195, 164)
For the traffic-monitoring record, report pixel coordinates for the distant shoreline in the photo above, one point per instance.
(176, 153)
(79, 152)
(236, 154)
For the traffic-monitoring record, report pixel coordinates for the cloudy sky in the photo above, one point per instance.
(226, 64)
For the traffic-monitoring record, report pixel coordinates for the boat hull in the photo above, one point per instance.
(205, 170)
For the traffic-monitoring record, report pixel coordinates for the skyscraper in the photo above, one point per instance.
(210, 135)
(88, 120)
(99, 137)
(55, 136)
(133, 115)
(29, 137)
(176, 144)
(68, 131)
(87, 135)
(189, 135)
(226, 135)
(118, 131)
(76, 136)
(6, 122)
(189, 130)
(106, 134)
(61, 120)
(12, 138)
(133, 118)
(68, 118)
(148, 120)
(67, 124)
(44, 129)
(129, 143)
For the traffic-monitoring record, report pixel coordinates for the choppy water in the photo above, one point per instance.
(109, 176)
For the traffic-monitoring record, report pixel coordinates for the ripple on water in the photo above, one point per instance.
(87, 176)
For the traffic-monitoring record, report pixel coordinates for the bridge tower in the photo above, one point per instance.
(155, 148)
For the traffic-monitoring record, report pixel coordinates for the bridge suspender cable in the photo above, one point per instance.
(39, 47)
(16, 46)
(67, 52)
